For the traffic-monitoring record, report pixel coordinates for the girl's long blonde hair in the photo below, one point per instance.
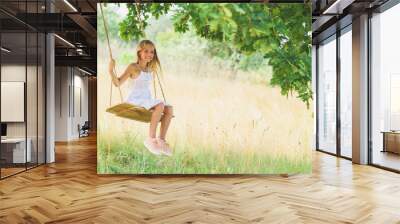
(154, 65)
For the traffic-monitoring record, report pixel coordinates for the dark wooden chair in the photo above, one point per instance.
(84, 129)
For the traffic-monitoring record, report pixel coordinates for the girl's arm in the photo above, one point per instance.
(130, 71)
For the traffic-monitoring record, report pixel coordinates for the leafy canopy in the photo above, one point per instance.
(279, 32)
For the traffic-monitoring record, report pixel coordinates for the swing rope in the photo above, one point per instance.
(137, 5)
(109, 52)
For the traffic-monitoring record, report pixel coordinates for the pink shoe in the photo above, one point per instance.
(165, 149)
(152, 145)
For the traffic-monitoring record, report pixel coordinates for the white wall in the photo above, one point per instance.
(12, 73)
(33, 127)
(71, 93)
(61, 103)
(80, 109)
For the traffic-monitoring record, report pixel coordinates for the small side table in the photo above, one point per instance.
(18, 153)
(391, 141)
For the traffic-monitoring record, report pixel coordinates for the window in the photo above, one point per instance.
(327, 96)
(23, 77)
(346, 92)
(385, 88)
(395, 102)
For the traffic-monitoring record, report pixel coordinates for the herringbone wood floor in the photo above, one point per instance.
(70, 191)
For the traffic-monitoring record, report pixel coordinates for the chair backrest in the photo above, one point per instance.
(86, 124)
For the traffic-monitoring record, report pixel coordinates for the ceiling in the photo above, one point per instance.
(74, 22)
(330, 15)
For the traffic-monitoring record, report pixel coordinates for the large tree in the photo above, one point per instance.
(280, 32)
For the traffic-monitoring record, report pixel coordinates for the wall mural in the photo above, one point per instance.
(204, 88)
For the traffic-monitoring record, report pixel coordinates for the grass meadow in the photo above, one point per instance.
(226, 121)
(220, 126)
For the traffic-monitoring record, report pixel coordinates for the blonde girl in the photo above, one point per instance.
(141, 75)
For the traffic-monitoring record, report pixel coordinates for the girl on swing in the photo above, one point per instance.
(141, 75)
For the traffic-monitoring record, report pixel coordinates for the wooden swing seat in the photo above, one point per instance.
(130, 111)
(127, 110)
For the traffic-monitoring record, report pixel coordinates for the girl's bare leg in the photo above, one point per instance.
(165, 121)
(155, 118)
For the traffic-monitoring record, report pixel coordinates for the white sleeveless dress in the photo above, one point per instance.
(140, 94)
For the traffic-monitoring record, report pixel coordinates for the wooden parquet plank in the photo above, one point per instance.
(70, 191)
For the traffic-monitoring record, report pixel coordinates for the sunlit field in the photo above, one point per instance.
(220, 126)
(226, 121)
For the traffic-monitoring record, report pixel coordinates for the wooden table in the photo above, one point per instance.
(391, 141)
(16, 153)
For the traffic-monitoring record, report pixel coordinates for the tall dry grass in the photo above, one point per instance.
(230, 121)
(226, 120)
